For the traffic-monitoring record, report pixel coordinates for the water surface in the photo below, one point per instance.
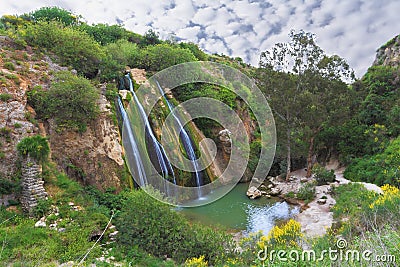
(235, 211)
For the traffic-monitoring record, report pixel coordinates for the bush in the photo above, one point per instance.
(9, 66)
(36, 147)
(306, 192)
(323, 176)
(119, 54)
(71, 101)
(73, 47)
(380, 169)
(5, 97)
(157, 229)
(162, 56)
(7, 186)
(105, 34)
(54, 14)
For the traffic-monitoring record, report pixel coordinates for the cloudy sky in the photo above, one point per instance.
(353, 29)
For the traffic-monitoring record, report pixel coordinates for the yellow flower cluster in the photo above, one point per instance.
(390, 193)
(287, 234)
(196, 262)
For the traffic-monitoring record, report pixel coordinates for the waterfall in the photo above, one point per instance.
(163, 162)
(140, 172)
(187, 143)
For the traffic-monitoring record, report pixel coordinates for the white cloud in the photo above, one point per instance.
(351, 29)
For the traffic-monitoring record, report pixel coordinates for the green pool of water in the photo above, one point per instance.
(235, 211)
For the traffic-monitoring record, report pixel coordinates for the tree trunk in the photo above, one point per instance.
(310, 157)
(288, 157)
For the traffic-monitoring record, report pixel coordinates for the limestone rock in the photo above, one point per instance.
(224, 137)
(41, 222)
(253, 192)
(275, 191)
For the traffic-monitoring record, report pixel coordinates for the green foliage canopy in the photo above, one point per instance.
(73, 47)
(54, 14)
(157, 229)
(382, 168)
(162, 56)
(36, 147)
(71, 101)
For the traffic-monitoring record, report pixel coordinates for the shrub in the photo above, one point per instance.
(9, 66)
(42, 208)
(54, 14)
(36, 146)
(6, 133)
(5, 97)
(323, 176)
(306, 192)
(73, 47)
(71, 101)
(105, 34)
(119, 54)
(196, 262)
(7, 186)
(382, 168)
(286, 235)
(162, 56)
(157, 229)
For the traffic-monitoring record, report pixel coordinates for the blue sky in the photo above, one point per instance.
(353, 29)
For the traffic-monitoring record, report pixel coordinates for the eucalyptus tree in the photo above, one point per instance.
(310, 92)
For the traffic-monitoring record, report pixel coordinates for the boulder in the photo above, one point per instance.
(41, 222)
(253, 192)
(275, 191)
(224, 137)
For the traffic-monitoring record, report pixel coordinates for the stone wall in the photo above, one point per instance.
(32, 184)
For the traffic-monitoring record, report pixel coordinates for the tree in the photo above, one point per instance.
(306, 99)
(54, 14)
(161, 56)
(150, 38)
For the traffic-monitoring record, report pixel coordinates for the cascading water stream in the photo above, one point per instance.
(164, 163)
(186, 141)
(140, 172)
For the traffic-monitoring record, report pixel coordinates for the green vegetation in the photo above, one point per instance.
(161, 56)
(71, 101)
(306, 91)
(306, 192)
(50, 14)
(73, 47)
(5, 97)
(382, 168)
(154, 227)
(322, 175)
(36, 147)
(9, 66)
(318, 117)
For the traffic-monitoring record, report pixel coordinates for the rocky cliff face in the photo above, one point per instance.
(389, 54)
(93, 157)
(20, 70)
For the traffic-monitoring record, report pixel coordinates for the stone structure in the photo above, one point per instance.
(32, 184)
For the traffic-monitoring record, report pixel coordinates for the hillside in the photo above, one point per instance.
(67, 196)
